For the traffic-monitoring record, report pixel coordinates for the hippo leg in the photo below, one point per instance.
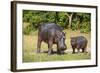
(50, 44)
(84, 50)
(60, 51)
(39, 45)
(73, 50)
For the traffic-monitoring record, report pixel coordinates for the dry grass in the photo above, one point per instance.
(30, 47)
(70, 33)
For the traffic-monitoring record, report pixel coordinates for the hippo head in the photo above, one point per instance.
(61, 41)
(73, 41)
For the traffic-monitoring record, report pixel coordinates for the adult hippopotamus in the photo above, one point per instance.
(51, 34)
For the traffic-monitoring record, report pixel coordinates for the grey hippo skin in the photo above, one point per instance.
(51, 34)
(79, 42)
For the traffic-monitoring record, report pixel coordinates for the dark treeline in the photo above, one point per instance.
(68, 20)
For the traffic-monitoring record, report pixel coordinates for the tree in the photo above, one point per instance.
(70, 20)
(69, 15)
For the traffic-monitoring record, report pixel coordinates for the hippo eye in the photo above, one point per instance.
(58, 38)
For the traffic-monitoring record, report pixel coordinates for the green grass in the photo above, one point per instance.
(44, 57)
(30, 47)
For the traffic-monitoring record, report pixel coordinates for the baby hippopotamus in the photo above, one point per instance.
(79, 42)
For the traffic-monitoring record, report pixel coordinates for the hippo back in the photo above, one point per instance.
(48, 26)
(81, 40)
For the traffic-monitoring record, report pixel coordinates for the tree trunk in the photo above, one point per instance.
(56, 16)
(70, 19)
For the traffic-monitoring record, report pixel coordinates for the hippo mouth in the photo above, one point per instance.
(61, 52)
(63, 49)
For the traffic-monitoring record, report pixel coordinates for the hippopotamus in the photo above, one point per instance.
(79, 42)
(51, 33)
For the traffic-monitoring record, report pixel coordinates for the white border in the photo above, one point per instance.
(21, 65)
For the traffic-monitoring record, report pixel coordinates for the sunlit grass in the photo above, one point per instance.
(44, 57)
(30, 47)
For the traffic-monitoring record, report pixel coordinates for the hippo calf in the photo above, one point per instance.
(79, 42)
(51, 34)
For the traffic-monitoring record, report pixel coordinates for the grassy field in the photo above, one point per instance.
(30, 47)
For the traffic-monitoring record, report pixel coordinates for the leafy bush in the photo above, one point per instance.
(75, 25)
(85, 27)
(79, 21)
(28, 29)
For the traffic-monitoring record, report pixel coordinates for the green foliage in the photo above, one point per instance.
(44, 57)
(62, 20)
(75, 24)
(27, 29)
(85, 27)
(79, 21)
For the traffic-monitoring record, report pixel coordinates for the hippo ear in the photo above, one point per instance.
(64, 33)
